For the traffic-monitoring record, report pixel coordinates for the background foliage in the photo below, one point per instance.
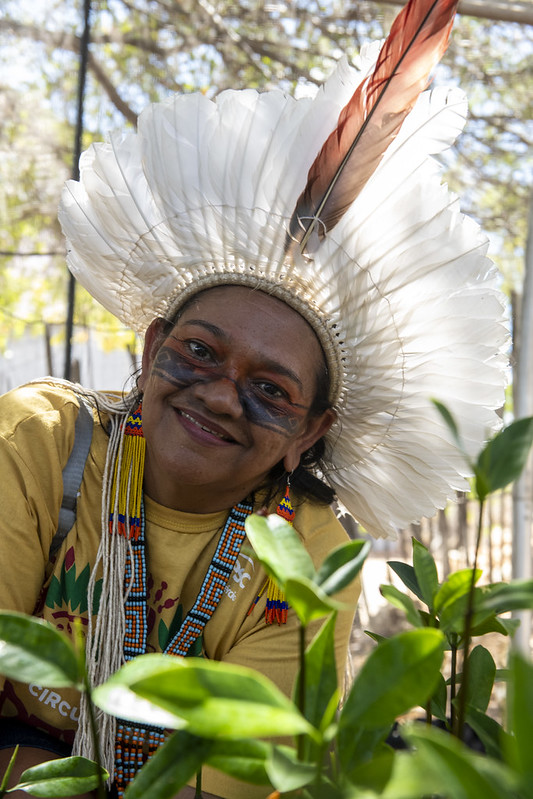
(143, 50)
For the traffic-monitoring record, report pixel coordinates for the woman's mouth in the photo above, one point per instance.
(201, 425)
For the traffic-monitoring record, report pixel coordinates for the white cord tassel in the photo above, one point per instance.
(104, 652)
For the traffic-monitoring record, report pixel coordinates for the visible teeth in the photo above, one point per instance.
(202, 427)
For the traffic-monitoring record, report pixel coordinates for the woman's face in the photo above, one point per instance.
(227, 395)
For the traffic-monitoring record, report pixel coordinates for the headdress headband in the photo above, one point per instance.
(361, 239)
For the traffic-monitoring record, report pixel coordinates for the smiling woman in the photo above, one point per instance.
(305, 286)
(225, 401)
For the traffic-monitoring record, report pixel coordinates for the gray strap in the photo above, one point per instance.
(73, 474)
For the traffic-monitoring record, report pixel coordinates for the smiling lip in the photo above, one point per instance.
(205, 429)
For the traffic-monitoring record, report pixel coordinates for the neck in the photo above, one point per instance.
(193, 499)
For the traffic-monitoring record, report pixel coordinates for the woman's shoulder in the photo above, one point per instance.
(44, 403)
(50, 402)
(314, 520)
(319, 528)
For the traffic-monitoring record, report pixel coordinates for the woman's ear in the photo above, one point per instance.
(153, 338)
(316, 427)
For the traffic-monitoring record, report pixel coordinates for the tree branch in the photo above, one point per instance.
(500, 10)
(120, 104)
(71, 43)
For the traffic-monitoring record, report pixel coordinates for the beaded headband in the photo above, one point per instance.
(334, 205)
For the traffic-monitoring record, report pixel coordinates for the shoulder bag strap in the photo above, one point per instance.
(73, 474)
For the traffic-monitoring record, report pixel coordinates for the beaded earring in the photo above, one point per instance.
(285, 508)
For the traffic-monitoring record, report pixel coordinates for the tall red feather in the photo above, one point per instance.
(370, 121)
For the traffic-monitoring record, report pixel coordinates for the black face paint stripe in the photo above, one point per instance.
(268, 363)
(180, 372)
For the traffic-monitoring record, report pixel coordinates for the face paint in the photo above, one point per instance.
(280, 416)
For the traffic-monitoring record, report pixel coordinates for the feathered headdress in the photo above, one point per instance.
(335, 205)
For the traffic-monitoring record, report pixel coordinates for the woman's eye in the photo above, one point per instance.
(198, 350)
(271, 389)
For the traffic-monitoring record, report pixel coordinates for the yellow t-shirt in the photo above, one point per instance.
(36, 438)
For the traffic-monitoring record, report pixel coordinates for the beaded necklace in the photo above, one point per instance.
(135, 744)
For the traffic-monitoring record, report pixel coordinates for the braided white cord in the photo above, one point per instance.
(104, 654)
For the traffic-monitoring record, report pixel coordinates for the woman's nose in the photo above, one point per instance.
(221, 396)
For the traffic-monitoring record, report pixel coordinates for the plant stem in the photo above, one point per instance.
(9, 769)
(198, 791)
(453, 681)
(301, 688)
(100, 791)
(467, 640)
(321, 755)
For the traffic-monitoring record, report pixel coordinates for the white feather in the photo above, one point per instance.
(402, 281)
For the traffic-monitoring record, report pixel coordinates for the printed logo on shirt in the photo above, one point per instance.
(240, 575)
(54, 700)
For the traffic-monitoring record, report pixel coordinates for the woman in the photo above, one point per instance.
(307, 308)
(223, 405)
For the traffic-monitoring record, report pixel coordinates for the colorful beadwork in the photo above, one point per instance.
(285, 508)
(134, 745)
(132, 461)
(277, 607)
(214, 582)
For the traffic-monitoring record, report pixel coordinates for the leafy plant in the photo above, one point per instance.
(31, 650)
(222, 713)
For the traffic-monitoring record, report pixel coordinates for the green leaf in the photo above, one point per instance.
(407, 575)
(520, 709)
(427, 619)
(399, 674)
(116, 697)
(278, 547)
(504, 457)
(326, 789)
(308, 600)
(402, 601)
(494, 625)
(216, 700)
(490, 733)
(456, 586)
(503, 597)
(286, 772)
(376, 636)
(502, 675)
(32, 650)
(321, 673)
(341, 566)
(243, 759)
(439, 700)
(171, 768)
(442, 766)
(481, 678)
(452, 619)
(361, 746)
(452, 599)
(426, 572)
(450, 423)
(64, 777)
(510, 626)
(374, 774)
